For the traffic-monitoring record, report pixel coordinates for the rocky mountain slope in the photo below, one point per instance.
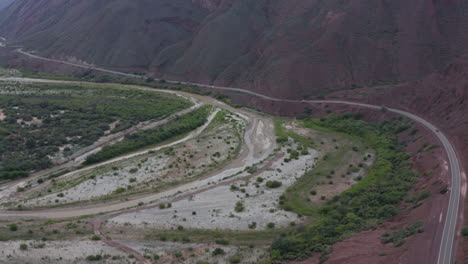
(296, 48)
(5, 3)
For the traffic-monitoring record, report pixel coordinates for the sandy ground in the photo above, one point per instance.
(193, 253)
(214, 209)
(7, 191)
(57, 252)
(188, 159)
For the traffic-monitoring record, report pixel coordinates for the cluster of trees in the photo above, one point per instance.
(38, 123)
(133, 142)
(364, 205)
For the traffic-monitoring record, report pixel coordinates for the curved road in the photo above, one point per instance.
(448, 236)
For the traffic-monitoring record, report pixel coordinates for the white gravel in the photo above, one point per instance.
(56, 252)
(215, 208)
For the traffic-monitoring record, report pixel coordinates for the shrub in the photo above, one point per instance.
(271, 225)
(218, 251)
(273, 184)
(235, 259)
(94, 257)
(464, 232)
(239, 207)
(119, 190)
(13, 227)
(313, 192)
(95, 237)
(222, 242)
(23, 246)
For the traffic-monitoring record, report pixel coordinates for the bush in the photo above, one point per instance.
(218, 251)
(271, 225)
(397, 237)
(464, 232)
(273, 184)
(13, 227)
(222, 242)
(23, 246)
(239, 207)
(119, 190)
(95, 237)
(94, 257)
(235, 259)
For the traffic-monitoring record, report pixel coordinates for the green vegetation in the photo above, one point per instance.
(282, 135)
(95, 238)
(364, 205)
(174, 128)
(13, 227)
(464, 232)
(39, 119)
(397, 237)
(239, 207)
(94, 258)
(273, 184)
(418, 196)
(218, 251)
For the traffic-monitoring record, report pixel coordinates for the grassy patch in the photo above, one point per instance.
(365, 204)
(177, 126)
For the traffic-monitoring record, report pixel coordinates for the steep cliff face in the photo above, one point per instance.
(295, 48)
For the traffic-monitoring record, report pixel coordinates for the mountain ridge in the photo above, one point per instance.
(297, 49)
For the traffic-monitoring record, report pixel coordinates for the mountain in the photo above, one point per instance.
(295, 48)
(5, 3)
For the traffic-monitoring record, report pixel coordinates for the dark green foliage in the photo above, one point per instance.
(464, 232)
(416, 197)
(172, 129)
(397, 237)
(273, 184)
(94, 258)
(239, 207)
(218, 251)
(48, 116)
(13, 227)
(222, 242)
(367, 203)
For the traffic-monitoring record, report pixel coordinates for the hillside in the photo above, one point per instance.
(5, 3)
(295, 49)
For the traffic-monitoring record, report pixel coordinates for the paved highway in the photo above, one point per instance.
(446, 247)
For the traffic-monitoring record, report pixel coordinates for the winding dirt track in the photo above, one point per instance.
(447, 241)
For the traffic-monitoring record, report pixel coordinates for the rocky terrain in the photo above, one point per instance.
(295, 49)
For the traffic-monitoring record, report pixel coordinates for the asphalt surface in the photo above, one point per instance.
(446, 247)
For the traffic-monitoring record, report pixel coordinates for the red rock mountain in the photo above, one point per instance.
(294, 48)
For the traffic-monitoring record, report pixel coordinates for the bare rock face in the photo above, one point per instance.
(208, 4)
(294, 49)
